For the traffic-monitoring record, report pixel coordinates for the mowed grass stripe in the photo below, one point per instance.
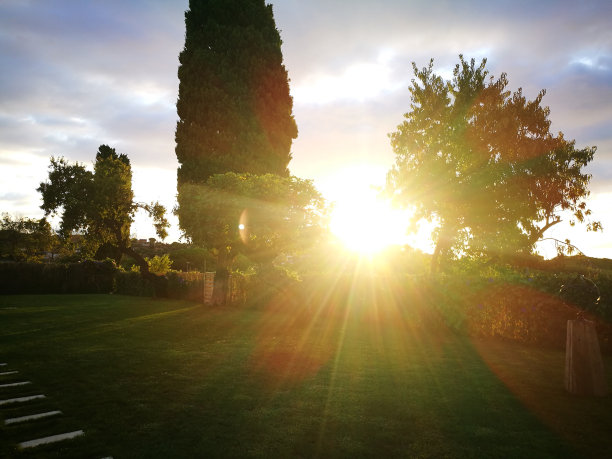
(182, 380)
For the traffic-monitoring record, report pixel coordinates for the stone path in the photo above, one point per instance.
(19, 403)
(31, 417)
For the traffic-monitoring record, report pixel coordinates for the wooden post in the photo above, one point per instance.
(584, 370)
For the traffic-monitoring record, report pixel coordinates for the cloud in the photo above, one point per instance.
(78, 74)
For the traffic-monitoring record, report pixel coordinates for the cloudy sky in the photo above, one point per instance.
(76, 74)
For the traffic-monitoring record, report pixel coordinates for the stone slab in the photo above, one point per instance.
(15, 384)
(32, 417)
(6, 373)
(21, 399)
(51, 439)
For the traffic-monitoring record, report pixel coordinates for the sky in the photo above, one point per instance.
(77, 74)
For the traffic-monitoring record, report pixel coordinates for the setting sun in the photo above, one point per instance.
(360, 219)
(368, 225)
(365, 222)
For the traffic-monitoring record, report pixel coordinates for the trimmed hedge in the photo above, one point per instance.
(85, 277)
(132, 283)
(524, 307)
(102, 277)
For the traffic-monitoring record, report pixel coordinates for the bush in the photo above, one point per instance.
(186, 286)
(132, 283)
(523, 306)
(85, 277)
(159, 265)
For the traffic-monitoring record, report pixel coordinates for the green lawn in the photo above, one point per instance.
(158, 378)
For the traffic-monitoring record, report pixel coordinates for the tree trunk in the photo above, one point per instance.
(434, 266)
(220, 289)
(442, 245)
(160, 283)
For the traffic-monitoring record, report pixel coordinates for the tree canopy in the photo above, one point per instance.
(482, 162)
(98, 204)
(234, 106)
(235, 120)
(25, 239)
(259, 216)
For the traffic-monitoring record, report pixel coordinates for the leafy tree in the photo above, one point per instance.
(100, 204)
(481, 161)
(159, 265)
(25, 239)
(192, 258)
(234, 106)
(257, 215)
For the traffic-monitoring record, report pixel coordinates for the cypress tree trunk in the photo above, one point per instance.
(220, 288)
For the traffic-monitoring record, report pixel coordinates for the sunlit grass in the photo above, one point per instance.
(356, 368)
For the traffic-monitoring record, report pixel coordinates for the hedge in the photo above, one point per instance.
(85, 277)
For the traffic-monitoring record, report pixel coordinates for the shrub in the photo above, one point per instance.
(187, 286)
(132, 283)
(159, 265)
(85, 277)
(523, 306)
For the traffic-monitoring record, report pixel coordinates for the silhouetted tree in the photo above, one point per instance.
(100, 204)
(482, 162)
(234, 106)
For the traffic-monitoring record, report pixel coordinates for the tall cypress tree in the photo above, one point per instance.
(234, 106)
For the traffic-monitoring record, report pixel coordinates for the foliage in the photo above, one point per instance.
(159, 265)
(133, 284)
(85, 277)
(25, 239)
(235, 115)
(524, 306)
(482, 162)
(100, 204)
(234, 106)
(257, 215)
(189, 258)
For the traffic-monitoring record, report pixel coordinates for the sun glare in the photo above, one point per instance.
(368, 225)
(361, 220)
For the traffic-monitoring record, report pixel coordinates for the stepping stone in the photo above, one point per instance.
(21, 399)
(15, 384)
(31, 417)
(6, 373)
(51, 439)
(2, 364)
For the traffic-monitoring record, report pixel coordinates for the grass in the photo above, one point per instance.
(158, 378)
